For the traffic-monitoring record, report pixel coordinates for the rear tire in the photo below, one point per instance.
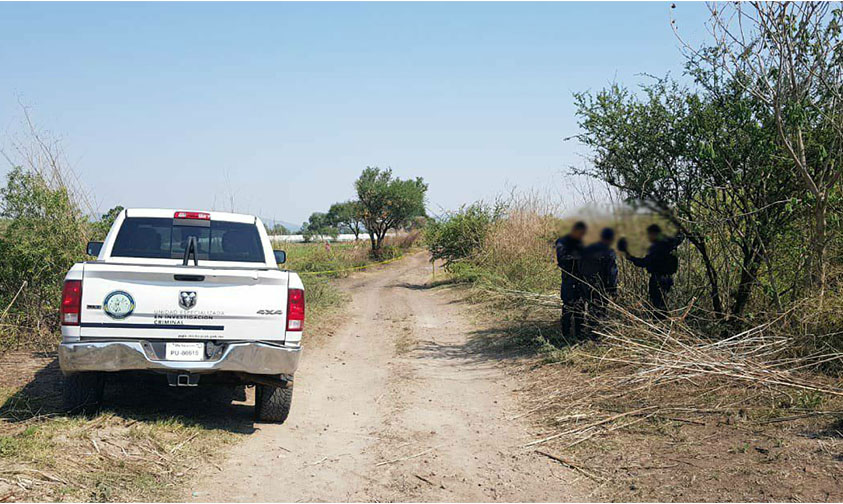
(272, 404)
(83, 392)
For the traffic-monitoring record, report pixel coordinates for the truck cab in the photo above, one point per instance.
(195, 297)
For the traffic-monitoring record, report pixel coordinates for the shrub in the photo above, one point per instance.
(461, 234)
(44, 235)
(100, 228)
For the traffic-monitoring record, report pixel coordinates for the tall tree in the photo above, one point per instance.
(707, 163)
(388, 202)
(318, 225)
(348, 215)
(789, 55)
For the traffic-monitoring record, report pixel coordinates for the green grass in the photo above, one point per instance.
(316, 257)
(340, 259)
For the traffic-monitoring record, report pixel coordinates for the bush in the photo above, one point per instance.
(461, 234)
(44, 235)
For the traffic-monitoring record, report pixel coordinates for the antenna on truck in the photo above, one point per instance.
(191, 248)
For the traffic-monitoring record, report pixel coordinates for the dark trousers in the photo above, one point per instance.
(596, 301)
(658, 288)
(572, 308)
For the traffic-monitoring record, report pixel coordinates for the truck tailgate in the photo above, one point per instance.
(177, 302)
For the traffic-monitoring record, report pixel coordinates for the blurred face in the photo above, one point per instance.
(578, 233)
(652, 237)
(608, 241)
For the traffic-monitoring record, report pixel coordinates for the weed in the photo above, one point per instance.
(809, 400)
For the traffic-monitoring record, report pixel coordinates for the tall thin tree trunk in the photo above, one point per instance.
(820, 245)
(749, 271)
(711, 274)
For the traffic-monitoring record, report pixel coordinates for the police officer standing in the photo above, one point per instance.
(660, 263)
(600, 275)
(568, 255)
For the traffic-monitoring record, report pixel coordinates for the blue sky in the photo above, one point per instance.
(279, 106)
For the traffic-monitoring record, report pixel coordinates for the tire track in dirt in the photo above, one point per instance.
(402, 403)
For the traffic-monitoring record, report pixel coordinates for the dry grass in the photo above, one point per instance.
(654, 413)
(712, 439)
(143, 447)
(665, 410)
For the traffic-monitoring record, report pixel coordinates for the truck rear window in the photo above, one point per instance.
(163, 238)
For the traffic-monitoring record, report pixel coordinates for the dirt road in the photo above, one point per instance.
(401, 403)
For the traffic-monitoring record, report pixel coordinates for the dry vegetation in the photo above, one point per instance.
(661, 411)
(132, 451)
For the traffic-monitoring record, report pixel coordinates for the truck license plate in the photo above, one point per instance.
(185, 351)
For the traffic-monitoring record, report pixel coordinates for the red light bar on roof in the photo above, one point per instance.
(192, 215)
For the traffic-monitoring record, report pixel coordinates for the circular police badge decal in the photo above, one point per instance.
(118, 304)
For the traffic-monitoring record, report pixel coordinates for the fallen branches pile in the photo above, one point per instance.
(666, 370)
(671, 350)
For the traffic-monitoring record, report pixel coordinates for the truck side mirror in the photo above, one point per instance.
(94, 248)
(280, 256)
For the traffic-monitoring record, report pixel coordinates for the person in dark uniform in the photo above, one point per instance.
(660, 263)
(599, 270)
(568, 255)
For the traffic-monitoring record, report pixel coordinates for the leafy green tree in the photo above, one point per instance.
(706, 162)
(318, 225)
(388, 202)
(789, 56)
(347, 215)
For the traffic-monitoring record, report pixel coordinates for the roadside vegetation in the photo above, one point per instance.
(745, 161)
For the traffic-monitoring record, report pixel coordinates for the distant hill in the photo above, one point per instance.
(293, 228)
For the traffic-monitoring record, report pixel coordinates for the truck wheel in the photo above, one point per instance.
(272, 404)
(83, 392)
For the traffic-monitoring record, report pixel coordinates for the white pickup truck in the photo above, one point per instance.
(192, 296)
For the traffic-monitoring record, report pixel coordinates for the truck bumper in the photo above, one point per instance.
(245, 357)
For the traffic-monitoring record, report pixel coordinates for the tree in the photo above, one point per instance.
(277, 229)
(708, 163)
(462, 233)
(347, 215)
(318, 225)
(789, 55)
(387, 202)
(102, 226)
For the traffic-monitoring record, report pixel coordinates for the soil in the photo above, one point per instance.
(404, 402)
(736, 444)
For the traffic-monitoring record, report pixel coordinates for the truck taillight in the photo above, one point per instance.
(71, 302)
(192, 215)
(295, 310)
